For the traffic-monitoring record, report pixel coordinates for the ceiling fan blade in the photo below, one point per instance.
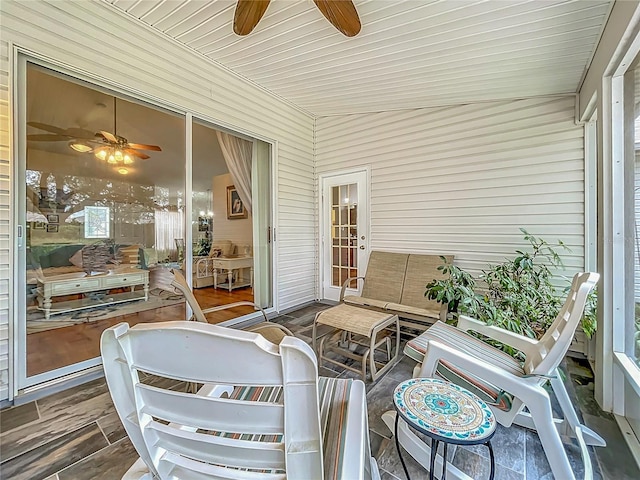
(47, 137)
(47, 128)
(109, 136)
(136, 153)
(142, 146)
(247, 15)
(342, 14)
(79, 133)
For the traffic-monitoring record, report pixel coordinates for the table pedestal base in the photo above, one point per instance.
(434, 450)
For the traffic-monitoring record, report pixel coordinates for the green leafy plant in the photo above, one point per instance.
(202, 248)
(517, 295)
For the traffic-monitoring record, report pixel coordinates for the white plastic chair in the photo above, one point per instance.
(263, 413)
(273, 332)
(512, 385)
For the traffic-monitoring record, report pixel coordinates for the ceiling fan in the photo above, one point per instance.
(342, 14)
(104, 145)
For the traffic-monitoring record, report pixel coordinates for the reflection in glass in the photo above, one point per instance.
(97, 232)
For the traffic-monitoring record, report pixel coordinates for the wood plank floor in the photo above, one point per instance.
(59, 347)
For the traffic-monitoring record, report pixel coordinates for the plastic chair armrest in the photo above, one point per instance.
(521, 387)
(346, 283)
(356, 435)
(520, 342)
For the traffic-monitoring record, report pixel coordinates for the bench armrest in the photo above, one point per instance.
(346, 283)
(520, 342)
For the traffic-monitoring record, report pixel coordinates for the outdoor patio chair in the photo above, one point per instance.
(273, 332)
(263, 412)
(452, 353)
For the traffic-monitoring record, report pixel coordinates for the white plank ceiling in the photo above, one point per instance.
(409, 54)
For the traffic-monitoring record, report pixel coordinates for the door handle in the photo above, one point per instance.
(361, 247)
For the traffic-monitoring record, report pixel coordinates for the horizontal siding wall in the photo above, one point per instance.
(463, 179)
(84, 35)
(5, 178)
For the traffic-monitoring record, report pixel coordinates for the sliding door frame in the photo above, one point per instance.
(19, 383)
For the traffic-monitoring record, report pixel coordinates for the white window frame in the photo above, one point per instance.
(621, 210)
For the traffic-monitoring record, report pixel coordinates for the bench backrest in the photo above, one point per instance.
(384, 279)
(422, 269)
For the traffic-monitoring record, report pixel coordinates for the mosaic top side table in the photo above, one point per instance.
(446, 413)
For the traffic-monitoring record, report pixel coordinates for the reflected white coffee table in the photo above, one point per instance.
(70, 284)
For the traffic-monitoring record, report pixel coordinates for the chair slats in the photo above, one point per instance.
(212, 413)
(181, 467)
(221, 450)
(267, 428)
(555, 342)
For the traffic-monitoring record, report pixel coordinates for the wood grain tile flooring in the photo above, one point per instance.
(77, 435)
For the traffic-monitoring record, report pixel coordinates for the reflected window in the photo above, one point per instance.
(96, 222)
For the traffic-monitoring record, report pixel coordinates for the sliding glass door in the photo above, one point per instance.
(102, 205)
(102, 199)
(230, 210)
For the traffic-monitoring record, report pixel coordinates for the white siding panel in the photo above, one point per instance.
(463, 179)
(81, 35)
(5, 226)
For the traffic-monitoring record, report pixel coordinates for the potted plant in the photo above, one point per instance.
(517, 295)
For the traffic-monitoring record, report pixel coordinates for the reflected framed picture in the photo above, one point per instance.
(204, 224)
(38, 225)
(53, 218)
(52, 228)
(235, 207)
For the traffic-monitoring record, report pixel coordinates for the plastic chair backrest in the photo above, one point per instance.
(554, 344)
(187, 435)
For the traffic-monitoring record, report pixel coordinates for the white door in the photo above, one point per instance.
(344, 227)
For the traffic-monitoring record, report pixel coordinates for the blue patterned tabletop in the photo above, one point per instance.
(444, 411)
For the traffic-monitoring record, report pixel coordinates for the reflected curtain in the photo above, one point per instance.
(168, 227)
(238, 156)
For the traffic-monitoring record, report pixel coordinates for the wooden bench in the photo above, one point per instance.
(395, 283)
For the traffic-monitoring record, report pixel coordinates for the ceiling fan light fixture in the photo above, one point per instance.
(111, 159)
(127, 159)
(80, 147)
(101, 153)
(123, 171)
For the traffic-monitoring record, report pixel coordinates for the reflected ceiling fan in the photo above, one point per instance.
(342, 14)
(104, 145)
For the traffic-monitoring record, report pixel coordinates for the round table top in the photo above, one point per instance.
(444, 411)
